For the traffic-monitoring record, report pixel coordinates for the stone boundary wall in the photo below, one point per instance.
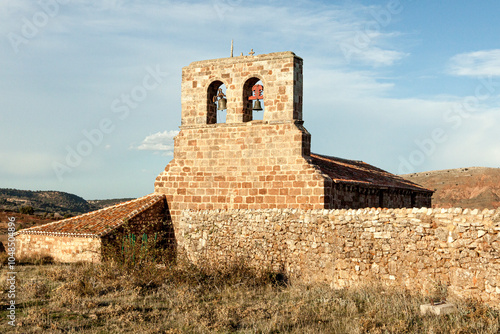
(61, 249)
(418, 248)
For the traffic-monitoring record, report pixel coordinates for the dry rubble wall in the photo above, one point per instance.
(416, 248)
(60, 248)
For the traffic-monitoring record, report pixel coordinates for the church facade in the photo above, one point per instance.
(244, 163)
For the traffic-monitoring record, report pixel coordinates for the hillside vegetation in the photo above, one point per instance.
(53, 202)
(473, 187)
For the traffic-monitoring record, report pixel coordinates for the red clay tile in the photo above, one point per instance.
(97, 223)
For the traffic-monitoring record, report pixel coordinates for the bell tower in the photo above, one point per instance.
(280, 74)
(242, 163)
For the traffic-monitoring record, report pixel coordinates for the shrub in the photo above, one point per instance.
(138, 248)
(3, 259)
(27, 210)
(37, 259)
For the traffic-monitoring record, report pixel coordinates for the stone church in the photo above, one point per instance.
(241, 163)
(257, 164)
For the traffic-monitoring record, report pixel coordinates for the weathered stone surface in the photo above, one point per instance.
(441, 309)
(63, 249)
(353, 244)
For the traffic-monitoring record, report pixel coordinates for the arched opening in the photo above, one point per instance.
(216, 103)
(253, 96)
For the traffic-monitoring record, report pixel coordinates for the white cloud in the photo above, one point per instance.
(327, 29)
(159, 142)
(342, 34)
(322, 28)
(479, 63)
(379, 57)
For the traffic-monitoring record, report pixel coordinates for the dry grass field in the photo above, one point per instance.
(180, 298)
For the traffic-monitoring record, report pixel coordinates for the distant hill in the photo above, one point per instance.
(473, 187)
(103, 203)
(54, 202)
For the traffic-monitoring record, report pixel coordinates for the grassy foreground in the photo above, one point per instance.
(181, 298)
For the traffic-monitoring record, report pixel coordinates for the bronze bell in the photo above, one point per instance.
(222, 104)
(257, 106)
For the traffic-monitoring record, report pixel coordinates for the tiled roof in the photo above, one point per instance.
(98, 223)
(361, 173)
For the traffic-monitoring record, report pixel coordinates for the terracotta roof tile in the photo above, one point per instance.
(98, 223)
(359, 172)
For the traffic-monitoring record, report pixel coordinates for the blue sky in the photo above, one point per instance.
(90, 90)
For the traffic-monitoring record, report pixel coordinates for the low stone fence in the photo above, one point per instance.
(420, 249)
(60, 248)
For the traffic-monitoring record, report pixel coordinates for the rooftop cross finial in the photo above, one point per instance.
(251, 53)
(231, 48)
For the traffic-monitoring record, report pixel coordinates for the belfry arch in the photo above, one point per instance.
(253, 90)
(216, 91)
(281, 77)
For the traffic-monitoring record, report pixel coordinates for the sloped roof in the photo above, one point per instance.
(361, 173)
(97, 223)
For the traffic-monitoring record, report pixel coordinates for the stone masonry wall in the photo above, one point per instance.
(62, 249)
(280, 73)
(416, 248)
(242, 164)
(240, 167)
(155, 222)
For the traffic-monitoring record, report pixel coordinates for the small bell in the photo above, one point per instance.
(257, 106)
(222, 104)
(257, 96)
